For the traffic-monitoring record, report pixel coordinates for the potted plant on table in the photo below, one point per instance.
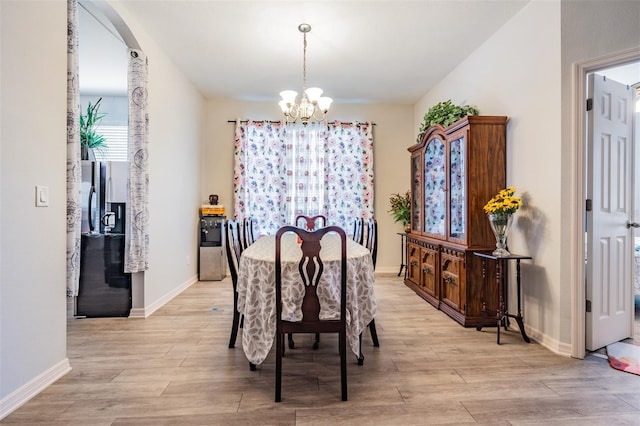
(90, 139)
(401, 209)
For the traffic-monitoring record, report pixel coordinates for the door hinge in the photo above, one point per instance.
(588, 205)
(589, 104)
(588, 307)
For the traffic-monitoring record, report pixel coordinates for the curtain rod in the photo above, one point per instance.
(280, 121)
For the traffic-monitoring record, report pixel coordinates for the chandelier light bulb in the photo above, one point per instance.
(324, 103)
(313, 93)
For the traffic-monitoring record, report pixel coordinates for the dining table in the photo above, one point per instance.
(257, 281)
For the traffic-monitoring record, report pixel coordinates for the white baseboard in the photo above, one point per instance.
(150, 309)
(389, 270)
(22, 395)
(563, 349)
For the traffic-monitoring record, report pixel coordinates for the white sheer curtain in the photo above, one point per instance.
(74, 189)
(281, 171)
(306, 161)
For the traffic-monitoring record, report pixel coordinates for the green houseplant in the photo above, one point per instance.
(444, 113)
(401, 208)
(90, 139)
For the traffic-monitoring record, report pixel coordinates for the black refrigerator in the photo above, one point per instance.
(104, 288)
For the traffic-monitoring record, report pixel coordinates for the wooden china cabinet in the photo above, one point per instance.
(454, 172)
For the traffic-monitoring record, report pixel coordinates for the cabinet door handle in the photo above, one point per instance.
(448, 280)
(414, 263)
(633, 225)
(426, 270)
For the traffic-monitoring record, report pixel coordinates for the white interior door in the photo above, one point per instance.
(609, 240)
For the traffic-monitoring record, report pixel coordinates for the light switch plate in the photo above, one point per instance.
(42, 196)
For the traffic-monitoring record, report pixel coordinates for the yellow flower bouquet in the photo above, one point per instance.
(504, 202)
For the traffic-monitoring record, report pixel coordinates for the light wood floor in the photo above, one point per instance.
(175, 368)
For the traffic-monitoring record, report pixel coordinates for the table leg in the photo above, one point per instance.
(403, 254)
(483, 313)
(500, 309)
(519, 316)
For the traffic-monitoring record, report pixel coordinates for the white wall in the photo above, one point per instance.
(517, 73)
(33, 47)
(393, 133)
(175, 137)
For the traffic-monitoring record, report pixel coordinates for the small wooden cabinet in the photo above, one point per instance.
(454, 172)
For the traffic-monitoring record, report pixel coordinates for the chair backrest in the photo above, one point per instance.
(310, 269)
(233, 248)
(309, 222)
(371, 242)
(248, 231)
(358, 225)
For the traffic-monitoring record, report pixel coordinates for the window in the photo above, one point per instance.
(281, 171)
(117, 141)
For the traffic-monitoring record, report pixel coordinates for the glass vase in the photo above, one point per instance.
(500, 225)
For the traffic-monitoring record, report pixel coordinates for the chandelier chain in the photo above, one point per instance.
(304, 63)
(312, 105)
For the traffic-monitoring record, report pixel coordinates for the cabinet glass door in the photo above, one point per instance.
(434, 188)
(416, 191)
(458, 189)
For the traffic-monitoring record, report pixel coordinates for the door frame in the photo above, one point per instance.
(578, 161)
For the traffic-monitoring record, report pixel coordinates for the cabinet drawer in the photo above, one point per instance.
(413, 263)
(428, 270)
(452, 279)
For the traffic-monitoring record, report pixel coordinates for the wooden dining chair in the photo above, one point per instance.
(233, 249)
(358, 234)
(311, 223)
(371, 243)
(248, 231)
(309, 272)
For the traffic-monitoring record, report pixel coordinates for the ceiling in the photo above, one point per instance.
(380, 51)
(358, 51)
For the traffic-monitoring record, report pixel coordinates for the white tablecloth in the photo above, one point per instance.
(256, 290)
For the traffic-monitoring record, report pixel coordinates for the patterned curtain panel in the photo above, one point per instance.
(74, 189)
(260, 174)
(350, 175)
(281, 171)
(137, 245)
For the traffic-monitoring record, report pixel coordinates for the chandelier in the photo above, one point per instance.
(312, 104)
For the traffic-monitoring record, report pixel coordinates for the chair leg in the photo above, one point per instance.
(234, 329)
(292, 344)
(316, 344)
(374, 334)
(279, 350)
(360, 356)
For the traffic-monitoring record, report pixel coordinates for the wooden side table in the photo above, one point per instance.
(502, 313)
(403, 253)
